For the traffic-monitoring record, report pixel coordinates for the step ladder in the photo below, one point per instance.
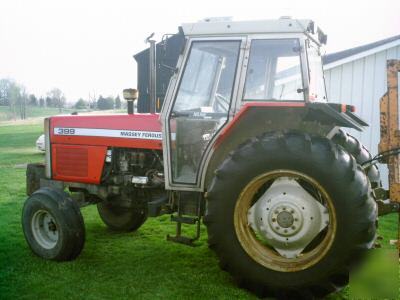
(180, 219)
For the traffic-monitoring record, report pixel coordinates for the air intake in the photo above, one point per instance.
(71, 161)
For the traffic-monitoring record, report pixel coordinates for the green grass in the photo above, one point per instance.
(31, 112)
(34, 112)
(140, 265)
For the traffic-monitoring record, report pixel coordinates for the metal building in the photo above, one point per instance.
(357, 76)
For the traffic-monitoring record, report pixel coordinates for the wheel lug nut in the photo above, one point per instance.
(283, 208)
(293, 227)
(285, 231)
(277, 228)
(273, 220)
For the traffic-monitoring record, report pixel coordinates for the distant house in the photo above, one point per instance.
(357, 76)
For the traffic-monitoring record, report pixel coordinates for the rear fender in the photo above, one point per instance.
(254, 119)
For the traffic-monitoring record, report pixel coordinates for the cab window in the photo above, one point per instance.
(274, 71)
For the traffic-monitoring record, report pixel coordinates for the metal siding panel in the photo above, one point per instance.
(362, 83)
(335, 84)
(379, 90)
(346, 83)
(391, 53)
(368, 96)
(327, 75)
(357, 91)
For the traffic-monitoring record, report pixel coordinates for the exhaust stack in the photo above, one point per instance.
(152, 73)
(130, 95)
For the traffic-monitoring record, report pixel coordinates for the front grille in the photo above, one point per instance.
(71, 161)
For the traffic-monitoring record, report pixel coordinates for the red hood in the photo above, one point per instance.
(132, 131)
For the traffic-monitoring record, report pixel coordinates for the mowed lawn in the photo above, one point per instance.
(140, 265)
(7, 114)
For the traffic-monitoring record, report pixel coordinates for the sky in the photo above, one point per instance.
(85, 46)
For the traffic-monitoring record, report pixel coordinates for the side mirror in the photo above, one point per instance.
(130, 95)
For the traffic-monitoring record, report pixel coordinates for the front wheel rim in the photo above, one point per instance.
(44, 229)
(257, 248)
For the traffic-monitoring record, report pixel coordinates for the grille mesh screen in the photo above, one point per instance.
(72, 161)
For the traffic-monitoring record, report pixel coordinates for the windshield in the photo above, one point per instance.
(316, 74)
(274, 71)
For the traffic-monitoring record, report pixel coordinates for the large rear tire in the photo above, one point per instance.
(119, 218)
(361, 155)
(53, 225)
(323, 170)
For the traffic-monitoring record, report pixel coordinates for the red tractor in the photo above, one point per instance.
(245, 141)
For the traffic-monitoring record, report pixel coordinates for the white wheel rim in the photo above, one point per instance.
(288, 217)
(268, 245)
(44, 229)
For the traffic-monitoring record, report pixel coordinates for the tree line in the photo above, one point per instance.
(16, 97)
(100, 103)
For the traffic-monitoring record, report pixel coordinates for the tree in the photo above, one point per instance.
(117, 102)
(13, 95)
(22, 100)
(41, 102)
(92, 100)
(80, 104)
(49, 101)
(105, 103)
(4, 91)
(33, 100)
(57, 98)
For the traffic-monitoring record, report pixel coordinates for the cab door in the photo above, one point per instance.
(198, 105)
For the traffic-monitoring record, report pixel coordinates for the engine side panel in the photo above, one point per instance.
(78, 163)
(79, 143)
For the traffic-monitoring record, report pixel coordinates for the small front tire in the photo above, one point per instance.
(53, 225)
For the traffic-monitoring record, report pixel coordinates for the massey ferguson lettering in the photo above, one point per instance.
(142, 134)
(130, 134)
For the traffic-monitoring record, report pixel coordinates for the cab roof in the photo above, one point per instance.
(224, 26)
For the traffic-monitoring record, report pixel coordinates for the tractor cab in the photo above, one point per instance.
(225, 65)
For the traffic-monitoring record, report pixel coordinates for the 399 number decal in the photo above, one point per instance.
(65, 131)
